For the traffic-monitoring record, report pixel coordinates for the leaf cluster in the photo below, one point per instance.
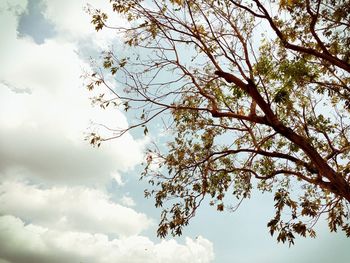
(247, 111)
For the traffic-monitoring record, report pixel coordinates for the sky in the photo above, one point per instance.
(62, 200)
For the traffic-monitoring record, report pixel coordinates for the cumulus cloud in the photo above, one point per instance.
(44, 154)
(23, 243)
(42, 128)
(81, 28)
(79, 208)
(62, 224)
(51, 204)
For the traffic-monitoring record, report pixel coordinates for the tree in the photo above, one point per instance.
(256, 95)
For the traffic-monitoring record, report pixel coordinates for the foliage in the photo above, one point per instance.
(256, 94)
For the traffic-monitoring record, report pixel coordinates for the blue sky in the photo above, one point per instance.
(62, 200)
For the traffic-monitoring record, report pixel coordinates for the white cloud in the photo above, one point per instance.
(127, 201)
(8, 11)
(118, 178)
(42, 129)
(81, 27)
(32, 243)
(44, 111)
(38, 151)
(77, 208)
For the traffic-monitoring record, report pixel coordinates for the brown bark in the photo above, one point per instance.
(337, 184)
(325, 55)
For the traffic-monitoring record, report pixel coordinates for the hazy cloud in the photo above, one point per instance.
(15, 89)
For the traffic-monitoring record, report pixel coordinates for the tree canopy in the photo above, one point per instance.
(255, 95)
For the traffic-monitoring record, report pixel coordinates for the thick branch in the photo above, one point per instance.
(324, 55)
(341, 187)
